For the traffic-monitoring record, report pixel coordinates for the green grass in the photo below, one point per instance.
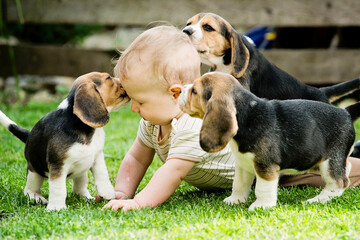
(188, 214)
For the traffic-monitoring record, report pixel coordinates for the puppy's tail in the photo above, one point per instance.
(17, 131)
(354, 111)
(337, 91)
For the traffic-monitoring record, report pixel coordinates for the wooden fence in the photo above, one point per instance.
(312, 66)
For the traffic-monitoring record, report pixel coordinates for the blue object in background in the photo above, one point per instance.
(263, 37)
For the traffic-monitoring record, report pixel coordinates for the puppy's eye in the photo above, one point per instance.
(193, 91)
(208, 28)
(109, 77)
(189, 23)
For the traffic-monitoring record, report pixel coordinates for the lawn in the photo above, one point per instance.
(188, 214)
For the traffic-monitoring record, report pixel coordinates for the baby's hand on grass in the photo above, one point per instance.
(126, 205)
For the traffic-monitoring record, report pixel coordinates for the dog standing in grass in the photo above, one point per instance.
(69, 141)
(271, 137)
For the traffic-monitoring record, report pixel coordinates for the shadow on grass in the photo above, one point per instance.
(4, 214)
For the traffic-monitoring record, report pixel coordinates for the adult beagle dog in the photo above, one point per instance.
(270, 137)
(69, 141)
(225, 50)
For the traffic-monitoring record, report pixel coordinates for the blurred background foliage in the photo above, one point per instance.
(52, 33)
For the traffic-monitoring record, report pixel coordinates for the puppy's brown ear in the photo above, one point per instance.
(239, 55)
(90, 107)
(219, 125)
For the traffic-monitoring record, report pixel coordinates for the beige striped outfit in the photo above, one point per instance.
(211, 170)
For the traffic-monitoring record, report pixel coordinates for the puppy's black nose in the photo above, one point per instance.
(188, 31)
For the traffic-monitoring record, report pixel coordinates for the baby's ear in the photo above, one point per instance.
(175, 90)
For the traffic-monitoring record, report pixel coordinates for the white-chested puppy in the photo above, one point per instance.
(271, 137)
(69, 141)
(225, 50)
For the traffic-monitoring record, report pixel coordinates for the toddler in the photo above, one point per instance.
(152, 70)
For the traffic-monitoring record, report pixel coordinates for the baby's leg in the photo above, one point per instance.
(354, 175)
(315, 179)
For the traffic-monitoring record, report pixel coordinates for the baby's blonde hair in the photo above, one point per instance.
(164, 53)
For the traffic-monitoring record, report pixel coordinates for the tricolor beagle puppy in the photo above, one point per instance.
(225, 50)
(271, 137)
(69, 141)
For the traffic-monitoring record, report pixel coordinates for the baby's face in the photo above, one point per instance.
(150, 100)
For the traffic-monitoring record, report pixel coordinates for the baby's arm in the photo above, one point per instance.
(132, 169)
(164, 183)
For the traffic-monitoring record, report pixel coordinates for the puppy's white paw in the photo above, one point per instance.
(318, 199)
(107, 193)
(234, 200)
(326, 195)
(53, 207)
(33, 196)
(87, 195)
(261, 204)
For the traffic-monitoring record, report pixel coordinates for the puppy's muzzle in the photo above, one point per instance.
(188, 31)
(184, 94)
(123, 97)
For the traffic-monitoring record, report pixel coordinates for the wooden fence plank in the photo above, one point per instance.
(245, 13)
(318, 67)
(55, 61)
(315, 67)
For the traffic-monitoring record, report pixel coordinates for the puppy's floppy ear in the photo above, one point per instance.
(89, 106)
(219, 125)
(239, 54)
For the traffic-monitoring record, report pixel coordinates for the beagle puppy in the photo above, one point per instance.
(69, 141)
(270, 137)
(225, 50)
